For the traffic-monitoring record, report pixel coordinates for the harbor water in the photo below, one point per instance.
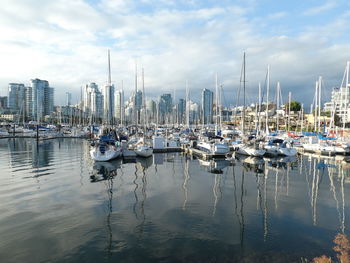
(57, 205)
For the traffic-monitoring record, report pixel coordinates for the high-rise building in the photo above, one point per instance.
(165, 107)
(194, 112)
(181, 109)
(68, 98)
(3, 102)
(108, 103)
(207, 106)
(151, 110)
(92, 101)
(16, 99)
(40, 99)
(340, 96)
(119, 106)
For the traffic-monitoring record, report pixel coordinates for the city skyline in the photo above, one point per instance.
(175, 41)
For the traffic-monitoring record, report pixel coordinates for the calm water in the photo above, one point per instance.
(56, 205)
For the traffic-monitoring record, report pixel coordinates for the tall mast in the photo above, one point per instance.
(187, 106)
(122, 110)
(220, 107)
(267, 100)
(216, 104)
(109, 69)
(316, 102)
(278, 105)
(302, 118)
(289, 102)
(319, 103)
(135, 99)
(243, 112)
(259, 109)
(144, 100)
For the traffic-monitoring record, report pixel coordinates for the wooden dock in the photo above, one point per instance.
(202, 154)
(167, 150)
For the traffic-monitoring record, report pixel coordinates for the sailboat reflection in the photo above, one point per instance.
(105, 170)
(281, 163)
(215, 166)
(145, 162)
(254, 164)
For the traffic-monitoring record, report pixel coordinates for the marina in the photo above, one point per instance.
(58, 205)
(174, 131)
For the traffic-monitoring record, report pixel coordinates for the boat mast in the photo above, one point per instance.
(319, 102)
(346, 79)
(122, 110)
(135, 98)
(289, 102)
(216, 104)
(302, 118)
(259, 110)
(267, 100)
(278, 105)
(144, 101)
(316, 101)
(108, 91)
(243, 111)
(187, 106)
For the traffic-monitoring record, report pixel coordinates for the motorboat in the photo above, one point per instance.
(250, 149)
(213, 147)
(279, 147)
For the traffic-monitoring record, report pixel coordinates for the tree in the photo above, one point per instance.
(294, 106)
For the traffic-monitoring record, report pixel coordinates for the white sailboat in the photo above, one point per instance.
(142, 148)
(107, 148)
(251, 148)
(214, 146)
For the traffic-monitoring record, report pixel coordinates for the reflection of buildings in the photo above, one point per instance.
(22, 150)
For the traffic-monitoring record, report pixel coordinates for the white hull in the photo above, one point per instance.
(144, 151)
(250, 151)
(279, 151)
(214, 148)
(111, 153)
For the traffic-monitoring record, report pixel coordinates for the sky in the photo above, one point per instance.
(66, 43)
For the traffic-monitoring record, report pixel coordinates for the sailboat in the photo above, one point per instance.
(214, 145)
(107, 148)
(252, 147)
(142, 148)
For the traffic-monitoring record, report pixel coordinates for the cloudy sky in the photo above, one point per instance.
(66, 43)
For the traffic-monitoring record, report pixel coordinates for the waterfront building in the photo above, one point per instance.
(165, 107)
(340, 98)
(194, 112)
(119, 107)
(68, 98)
(151, 110)
(16, 99)
(207, 106)
(3, 102)
(108, 103)
(92, 100)
(138, 104)
(181, 111)
(39, 99)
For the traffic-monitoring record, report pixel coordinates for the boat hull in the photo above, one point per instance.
(110, 154)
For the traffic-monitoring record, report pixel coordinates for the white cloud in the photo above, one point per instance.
(321, 8)
(66, 43)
